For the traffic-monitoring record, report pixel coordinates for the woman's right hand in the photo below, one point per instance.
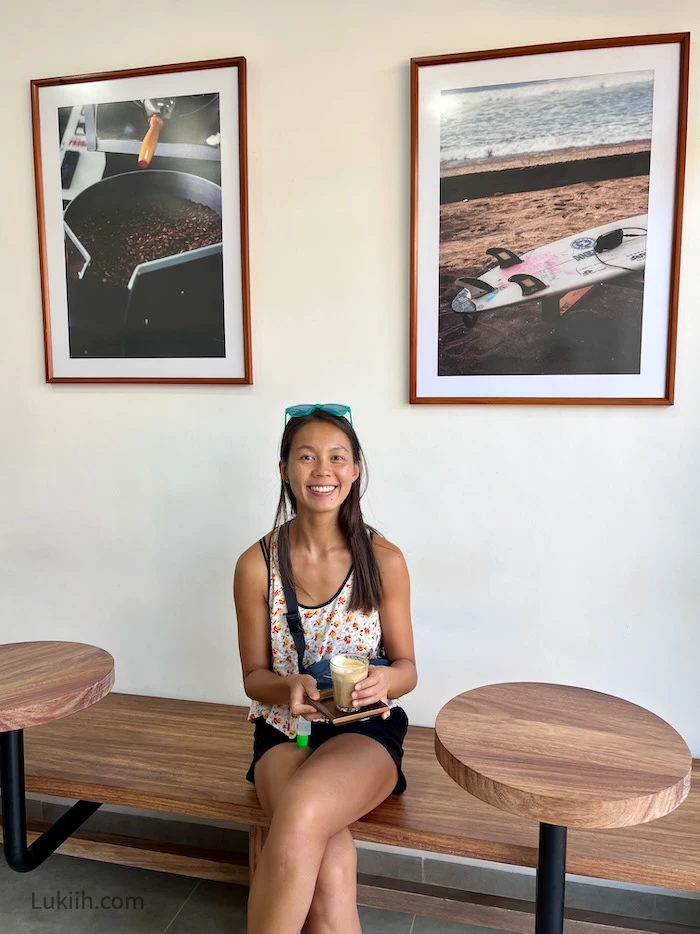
(301, 687)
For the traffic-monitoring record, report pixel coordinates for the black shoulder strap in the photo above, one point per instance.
(293, 618)
(294, 623)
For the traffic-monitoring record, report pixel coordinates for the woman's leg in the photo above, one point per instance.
(334, 905)
(343, 780)
(274, 770)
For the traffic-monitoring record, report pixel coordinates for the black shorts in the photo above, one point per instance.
(390, 733)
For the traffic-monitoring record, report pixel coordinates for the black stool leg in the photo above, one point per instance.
(551, 876)
(19, 856)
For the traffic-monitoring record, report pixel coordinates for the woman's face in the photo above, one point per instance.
(320, 468)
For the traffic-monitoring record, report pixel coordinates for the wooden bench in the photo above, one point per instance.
(190, 758)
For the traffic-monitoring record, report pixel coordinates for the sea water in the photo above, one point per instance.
(514, 120)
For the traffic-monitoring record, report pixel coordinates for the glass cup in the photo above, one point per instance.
(346, 672)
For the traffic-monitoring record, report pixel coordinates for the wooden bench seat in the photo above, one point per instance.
(190, 758)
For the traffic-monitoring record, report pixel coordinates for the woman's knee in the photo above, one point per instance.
(305, 812)
(296, 833)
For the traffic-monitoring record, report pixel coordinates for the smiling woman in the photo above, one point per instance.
(321, 466)
(353, 595)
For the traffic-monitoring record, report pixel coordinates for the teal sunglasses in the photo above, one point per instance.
(331, 408)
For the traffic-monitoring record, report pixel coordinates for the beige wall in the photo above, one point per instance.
(544, 543)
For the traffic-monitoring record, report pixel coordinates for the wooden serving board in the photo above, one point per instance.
(326, 706)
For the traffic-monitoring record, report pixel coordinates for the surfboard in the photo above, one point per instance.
(581, 260)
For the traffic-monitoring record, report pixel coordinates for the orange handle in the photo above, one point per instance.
(150, 141)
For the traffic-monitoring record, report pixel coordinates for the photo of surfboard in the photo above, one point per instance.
(543, 222)
(576, 262)
(546, 222)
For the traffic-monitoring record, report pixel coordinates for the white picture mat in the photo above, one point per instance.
(664, 60)
(224, 82)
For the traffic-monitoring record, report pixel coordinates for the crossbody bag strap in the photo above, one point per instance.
(294, 623)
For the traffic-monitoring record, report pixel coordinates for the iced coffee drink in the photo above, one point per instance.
(346, 672)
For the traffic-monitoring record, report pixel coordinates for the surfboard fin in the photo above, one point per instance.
(530, 285)
(476, 287)
(505, 258)
(462, 303)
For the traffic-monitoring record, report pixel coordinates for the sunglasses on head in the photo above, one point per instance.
(331, 408)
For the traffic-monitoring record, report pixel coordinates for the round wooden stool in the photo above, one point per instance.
(566, 757)
(40, 682)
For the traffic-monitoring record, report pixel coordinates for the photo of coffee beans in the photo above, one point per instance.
(141, 229)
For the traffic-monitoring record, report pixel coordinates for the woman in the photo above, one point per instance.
(306, 876)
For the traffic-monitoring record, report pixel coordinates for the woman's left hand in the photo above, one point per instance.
(374, 688)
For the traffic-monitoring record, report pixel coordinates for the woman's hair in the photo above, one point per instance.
(367, 582)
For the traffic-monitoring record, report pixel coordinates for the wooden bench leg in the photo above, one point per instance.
(256, 839)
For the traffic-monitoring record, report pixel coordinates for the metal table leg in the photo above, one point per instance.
(551, 876)
(19, 856)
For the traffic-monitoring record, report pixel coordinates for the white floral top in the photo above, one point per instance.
(328, 630)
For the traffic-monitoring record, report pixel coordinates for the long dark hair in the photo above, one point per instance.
(367, 581)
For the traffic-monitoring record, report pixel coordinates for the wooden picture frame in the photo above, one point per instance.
(536, 171)
(142, 209)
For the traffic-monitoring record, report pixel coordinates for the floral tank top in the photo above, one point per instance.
(328, 630)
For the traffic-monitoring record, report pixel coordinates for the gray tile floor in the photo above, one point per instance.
(77, 896)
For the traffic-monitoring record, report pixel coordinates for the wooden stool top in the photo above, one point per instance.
(43, 681)
(563, 755)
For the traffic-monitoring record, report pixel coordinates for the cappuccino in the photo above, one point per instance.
(346, 672)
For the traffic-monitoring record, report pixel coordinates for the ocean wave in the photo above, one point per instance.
(516, 122)
(522, 91)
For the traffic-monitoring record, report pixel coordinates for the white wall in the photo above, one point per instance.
(544, 543)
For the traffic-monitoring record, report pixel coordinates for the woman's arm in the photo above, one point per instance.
(397, 632)
(259, 681)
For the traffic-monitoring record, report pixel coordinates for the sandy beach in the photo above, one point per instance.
(516, 340)
(526, 220)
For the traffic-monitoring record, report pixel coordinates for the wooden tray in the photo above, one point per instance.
(327, 707)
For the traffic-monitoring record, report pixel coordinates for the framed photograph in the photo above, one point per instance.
(141, 189)
(547, 189)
